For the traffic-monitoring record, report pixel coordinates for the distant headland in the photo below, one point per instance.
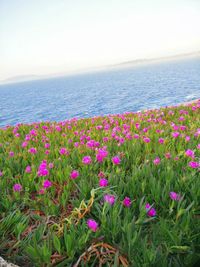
(136, 62)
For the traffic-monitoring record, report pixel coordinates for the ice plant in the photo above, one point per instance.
(109, 199)
(194, 164)
(11, 154)
(174, 196)
(103, 182)
(32, 150)
(175, 134)
(74, 174)
(161, 140)
(116, 160)
(28, 169)
(92, 224)
(87, 160)
(127, 202)
(189, 153)
(150, 211)
(47, 184)
(63, 151)
(146, 139)
(156, 161)
(17, 187)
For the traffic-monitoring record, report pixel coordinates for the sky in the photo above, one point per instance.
(44, 37)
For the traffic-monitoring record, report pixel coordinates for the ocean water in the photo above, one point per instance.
(104, 92)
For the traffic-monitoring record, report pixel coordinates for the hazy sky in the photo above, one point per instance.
(57, 36)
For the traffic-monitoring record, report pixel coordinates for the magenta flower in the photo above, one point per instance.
(47, 145)
(24, 144)
(109, 199)
(194, 164)
(41, 191)
(161, 140)
(101, 175)
(47, 184)
(116, 160)
(167, 155)
(74, 174)
(101, 155)
(32, 150)
(150, 211)
(87, 160)
(156, 161)
(17, 187)
(127, 202)
(1, 173)
(42, 170)
(146, 139)
(51, 165)
(63, 151)
(92, 224)
(175, 134)
(174, 196)
(189, 153)
(11, 154)
(187, 138)
(28, 169)
(103, 182)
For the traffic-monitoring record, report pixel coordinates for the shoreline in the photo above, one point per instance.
(188, 103)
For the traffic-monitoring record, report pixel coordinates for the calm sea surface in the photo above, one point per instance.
(100, 93)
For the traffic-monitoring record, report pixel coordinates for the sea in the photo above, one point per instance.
(110, 91)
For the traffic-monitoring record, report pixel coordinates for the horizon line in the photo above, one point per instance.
(139, 61)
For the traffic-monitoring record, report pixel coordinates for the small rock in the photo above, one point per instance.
(3, 263)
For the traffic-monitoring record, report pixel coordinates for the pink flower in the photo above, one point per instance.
(156, 161)
(24, 144)
(189, 153)
(32, 150)
(198, 146)
(41, 191)
(11, 154)
(42, 170)
(17, 187)
(109, 199)
(92, 224)
(63, 151)
(161, 140)
(187, 138)
(182, 127)
(101, 155)
(28, 169)
(127, 202)
(174, 196)
(47, 145)
(51, 165)
(194, 164)
(47, 184)
(150, 211)
(167, 155)
(103, 182)
(74, 174)
(101, 175)
(146, 139)
(1, 173)
(175, 134)
(87, 160)
(116, 160)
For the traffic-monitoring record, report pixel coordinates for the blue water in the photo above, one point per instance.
(100, 93)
